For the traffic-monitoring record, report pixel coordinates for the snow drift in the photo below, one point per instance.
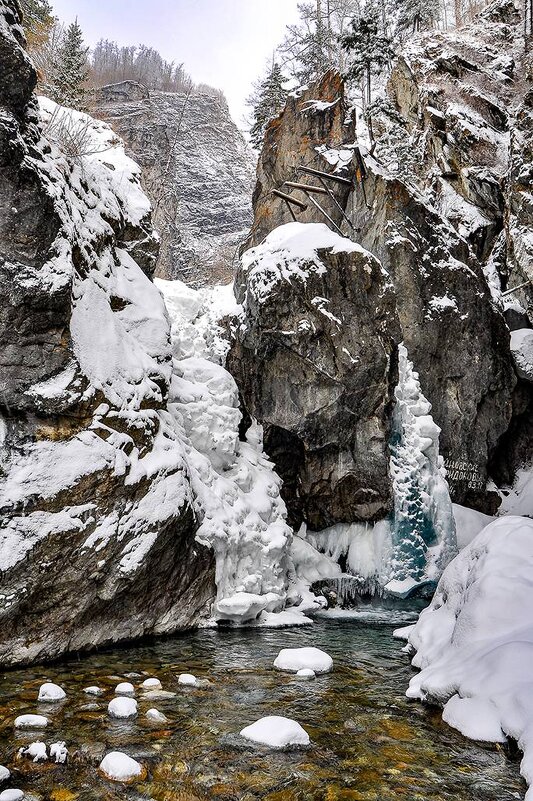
(474, 643)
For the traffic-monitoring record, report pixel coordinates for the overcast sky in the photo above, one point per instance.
(225, 43)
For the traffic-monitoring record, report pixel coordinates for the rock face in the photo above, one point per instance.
(197, 171)
(434, 206)
(315, 359)
(463, 103)
(95, 506)
(455, 337)
(311, 131)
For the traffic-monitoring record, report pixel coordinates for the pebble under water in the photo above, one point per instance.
(368, 742)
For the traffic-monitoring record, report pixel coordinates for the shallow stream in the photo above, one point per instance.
(369, 743)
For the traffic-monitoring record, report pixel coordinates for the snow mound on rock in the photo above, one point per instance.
(474, 643)
(124, 688)
(188, 680)
(122, 708)
(156, 716)
(31, 722)
(522, 350)
(5, 773)
(295, 659)
(120, 767)
(51, 692)
(276, 731)
(37, 752)
(151, 684)
(305, 673)
(11, 795)
(59, 752)
(93, 690)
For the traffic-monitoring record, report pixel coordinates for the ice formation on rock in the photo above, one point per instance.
(236, 491)
(423, 531)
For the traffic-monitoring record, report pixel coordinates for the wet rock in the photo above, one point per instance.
(325, 316)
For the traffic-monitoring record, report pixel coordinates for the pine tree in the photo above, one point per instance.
(266, 101)
(38, 19)
(370, 50)
(418, 15)
(71, 69)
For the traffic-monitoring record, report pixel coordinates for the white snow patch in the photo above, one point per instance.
(522, 350)
(156, 716)
(305, 673)
(11, 795)
(188, 680)
(468, 524)
(31, 722)
(5, 773)
(295, 659)
(120, 767)
(37, 752)
(474, 643)
(276, 731)
(59, 752)
(122, 707)
(51, 692)
(93, 690)
(151, 684)
(290, 252)
(124, 688)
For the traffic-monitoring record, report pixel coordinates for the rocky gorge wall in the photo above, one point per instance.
(96, 510)
(197, 171)
(443, 205)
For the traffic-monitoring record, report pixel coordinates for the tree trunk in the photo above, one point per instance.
(320, 35)
(457, 5)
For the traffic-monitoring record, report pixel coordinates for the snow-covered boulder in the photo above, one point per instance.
(37, 752)
(31, 722)
(93, 690)
(59, 752)
(11, 795)
(124, 688)
(306, 674)
(276, 731)
(122, 707)
(5, 773)
(120, 767)
(156, 716)
(295, 659)
(51, 692)
(188, 680)
(474, 643)
(151, 684)
(319, 308)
